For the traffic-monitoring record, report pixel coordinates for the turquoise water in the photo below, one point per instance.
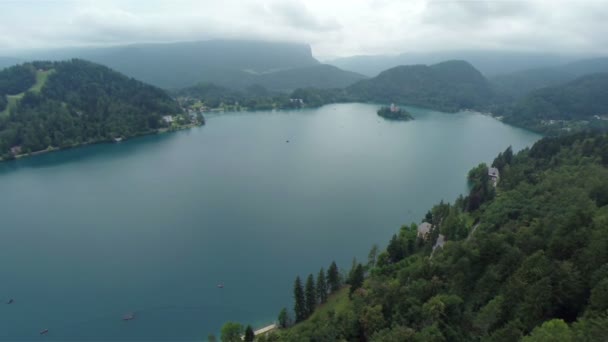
(152, 225)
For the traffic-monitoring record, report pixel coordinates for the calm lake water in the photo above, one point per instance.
(152, 225)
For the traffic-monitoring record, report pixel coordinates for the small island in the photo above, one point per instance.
(395, 113)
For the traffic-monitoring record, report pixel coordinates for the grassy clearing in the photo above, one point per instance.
(41, 78)
(338, 302)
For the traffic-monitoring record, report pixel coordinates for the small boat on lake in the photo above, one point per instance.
(44, 332)
(10, 301)
(220, 285)
(129, 317)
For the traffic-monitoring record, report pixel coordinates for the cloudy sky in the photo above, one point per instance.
(332, 27)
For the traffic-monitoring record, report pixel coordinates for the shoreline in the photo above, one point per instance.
(84, 144)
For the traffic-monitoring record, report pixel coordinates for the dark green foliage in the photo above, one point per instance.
(283, 318)
(82, 102)
(16, 79)
(503, 159)
(356, 278)
(537, 265)
(333, 278)
(231, 332)
(580, 99)
(317, 97)
(299, 308)
(447, 86)
(395, 249)
(3, 102)
(481, 187)
(321, 287)
(249, 335)
(520, 83)
(311, 295)
(212, 96)
(399, 114)
(321, 76)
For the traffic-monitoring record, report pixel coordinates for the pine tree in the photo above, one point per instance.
(283, 318)
(357, 278)
(300, 304)
(372, 256)
(249, 335)
(333, 278)
(321, 287)
(311, 295)
(395, 249)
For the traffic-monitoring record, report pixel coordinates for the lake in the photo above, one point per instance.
(251, 200)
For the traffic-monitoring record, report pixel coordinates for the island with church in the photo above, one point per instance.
(395, 113)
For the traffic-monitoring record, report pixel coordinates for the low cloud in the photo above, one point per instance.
(333, 28)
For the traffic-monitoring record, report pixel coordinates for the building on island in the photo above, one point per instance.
(168, 119)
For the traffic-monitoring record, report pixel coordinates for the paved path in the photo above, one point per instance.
(265, 329)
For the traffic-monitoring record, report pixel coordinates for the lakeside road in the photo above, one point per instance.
(262, 331)
(265, 329)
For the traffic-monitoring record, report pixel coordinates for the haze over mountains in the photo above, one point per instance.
(231, 63)
(447, 86)
(263, 74)
(488, 62)
(519, 83)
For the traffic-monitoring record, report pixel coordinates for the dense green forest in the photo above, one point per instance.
(515, 85)
(584, 99)
(63, 104)
(448, 86)
(525, 260)
(210, 96)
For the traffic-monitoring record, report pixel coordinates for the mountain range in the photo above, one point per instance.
(490, 63)
(448, 86)
(231, 63)
(517, 84)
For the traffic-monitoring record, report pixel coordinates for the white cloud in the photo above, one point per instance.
(333, 28)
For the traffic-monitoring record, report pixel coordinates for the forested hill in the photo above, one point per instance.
(584, 99)
(62, 104)
(447, 86)
(526, 260)
(520, 83)
(230, 63)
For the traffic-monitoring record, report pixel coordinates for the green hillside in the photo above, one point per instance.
(584, 100)
(237, 64)
(11, 101)
(321, 76)
(518, 84)
(64, 104)
(527, 259)
(447, 86)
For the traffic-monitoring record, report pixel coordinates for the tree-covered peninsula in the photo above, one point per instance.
(52, 105)
(523, 257)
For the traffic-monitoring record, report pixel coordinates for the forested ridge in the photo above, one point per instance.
(80, 102)
(584, 99)
(526, 260)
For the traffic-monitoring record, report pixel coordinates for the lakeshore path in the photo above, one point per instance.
(265, 329)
